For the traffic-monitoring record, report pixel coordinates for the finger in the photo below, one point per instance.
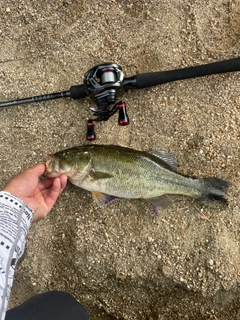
(63, 181)
(45, 184)
(38, 169)
(58, 185)
(54, 193)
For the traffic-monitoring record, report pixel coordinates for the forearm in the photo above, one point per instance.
(15, 220)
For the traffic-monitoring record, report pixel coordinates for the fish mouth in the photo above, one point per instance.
(52, 167)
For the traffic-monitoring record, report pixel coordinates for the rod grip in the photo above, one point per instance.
(77, 92)
(146, 80)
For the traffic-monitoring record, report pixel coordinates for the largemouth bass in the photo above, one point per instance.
(110, 171)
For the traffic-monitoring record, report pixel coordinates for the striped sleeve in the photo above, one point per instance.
(15, 220)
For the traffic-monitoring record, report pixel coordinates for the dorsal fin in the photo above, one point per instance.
(166, 157)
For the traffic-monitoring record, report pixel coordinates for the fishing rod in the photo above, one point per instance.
(105, 82)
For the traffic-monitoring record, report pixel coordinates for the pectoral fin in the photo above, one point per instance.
(101, 198)
(99, 175)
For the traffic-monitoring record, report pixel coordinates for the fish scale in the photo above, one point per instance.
(139, 176)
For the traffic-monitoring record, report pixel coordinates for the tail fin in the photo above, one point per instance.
(213, 189)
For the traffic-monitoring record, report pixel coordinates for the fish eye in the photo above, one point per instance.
(62, 155)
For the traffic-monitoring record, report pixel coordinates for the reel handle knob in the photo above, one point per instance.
(123, 118)
(91, 136)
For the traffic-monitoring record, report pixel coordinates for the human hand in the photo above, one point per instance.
(40, 196)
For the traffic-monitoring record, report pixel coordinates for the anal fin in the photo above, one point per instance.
(162, 201)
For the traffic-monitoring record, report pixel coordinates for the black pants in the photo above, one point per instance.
(52, 305)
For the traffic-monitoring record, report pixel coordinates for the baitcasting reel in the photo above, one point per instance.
(104, 83)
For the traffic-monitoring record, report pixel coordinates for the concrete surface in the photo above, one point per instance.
(123, 262)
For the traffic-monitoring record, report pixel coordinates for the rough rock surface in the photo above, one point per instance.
(123, 262)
